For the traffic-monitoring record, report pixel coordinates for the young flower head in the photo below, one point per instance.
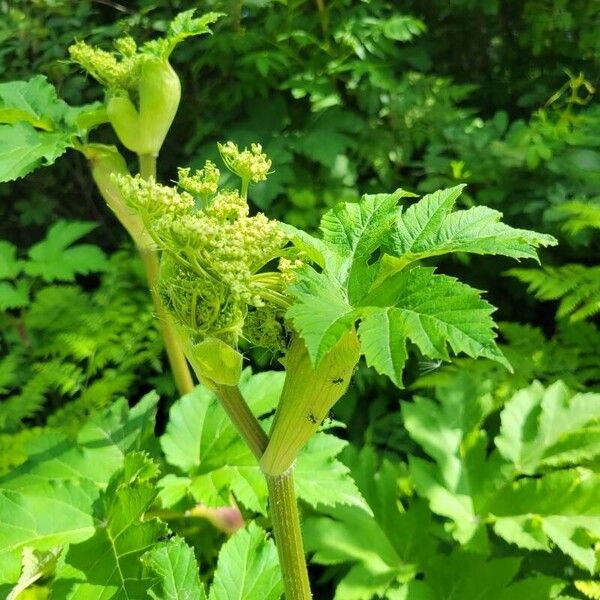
(203, 183)
(249, 165)
(219, 275)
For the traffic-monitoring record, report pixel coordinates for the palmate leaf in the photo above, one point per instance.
(202, 443)
(69, 477)
(56, 259)
(472, 486)
(550, 427)
(362, 275)
(38, 127)
(25, 148)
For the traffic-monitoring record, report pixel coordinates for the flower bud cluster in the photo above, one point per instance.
(204, 182)
(250, 165)
(215, 278)
(113, 72)
(151, 199)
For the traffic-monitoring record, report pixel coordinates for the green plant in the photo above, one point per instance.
(68, 352)
(220, 283)
(142, 93)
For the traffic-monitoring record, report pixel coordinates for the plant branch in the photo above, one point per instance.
(243, 418)
(283, 510)
(179, 367)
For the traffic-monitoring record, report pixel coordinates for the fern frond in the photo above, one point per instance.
(580, 215)
(576, 286)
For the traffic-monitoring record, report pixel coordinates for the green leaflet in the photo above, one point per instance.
(550, 427)
(472, 486)
(55, 258)
(361, 276)
(205, 447)
(252, 559)
(430, 228)
(174, 567)
(38, 126)
(70, 476)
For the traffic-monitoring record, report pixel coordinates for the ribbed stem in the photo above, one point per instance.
(243, 418)
(283, 510)
(179, 367)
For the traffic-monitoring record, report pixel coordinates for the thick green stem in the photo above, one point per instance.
(243, 418)
(283, 510)
(179, 367)
(147, 165)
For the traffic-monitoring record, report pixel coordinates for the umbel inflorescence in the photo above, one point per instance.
(223, 272)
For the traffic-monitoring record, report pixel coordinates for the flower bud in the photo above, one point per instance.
(143, 131)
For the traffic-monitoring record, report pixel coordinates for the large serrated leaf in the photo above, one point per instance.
(355, 280)
(248, 567)
(24, 148)
(549, 427)
(70, 477)
(174, 567)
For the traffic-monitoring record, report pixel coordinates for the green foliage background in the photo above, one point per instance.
(347, 97)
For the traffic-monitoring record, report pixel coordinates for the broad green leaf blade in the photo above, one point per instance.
(383, 335)
(108, 564)
(24, 149)
(549, 428)
(360, 274)
(202, 442)
(34, 101)
(55, 259)
(429, 228)
(437, 311)
(561, 507)
(321, 312)
(69, 476)
(174, 566)
(248, 567)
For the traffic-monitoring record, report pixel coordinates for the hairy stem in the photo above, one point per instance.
(177, 361)
(243, 418)
(179, 367)
(283, 510)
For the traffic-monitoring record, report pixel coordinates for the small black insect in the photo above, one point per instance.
(338, 380)
(312, 418)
